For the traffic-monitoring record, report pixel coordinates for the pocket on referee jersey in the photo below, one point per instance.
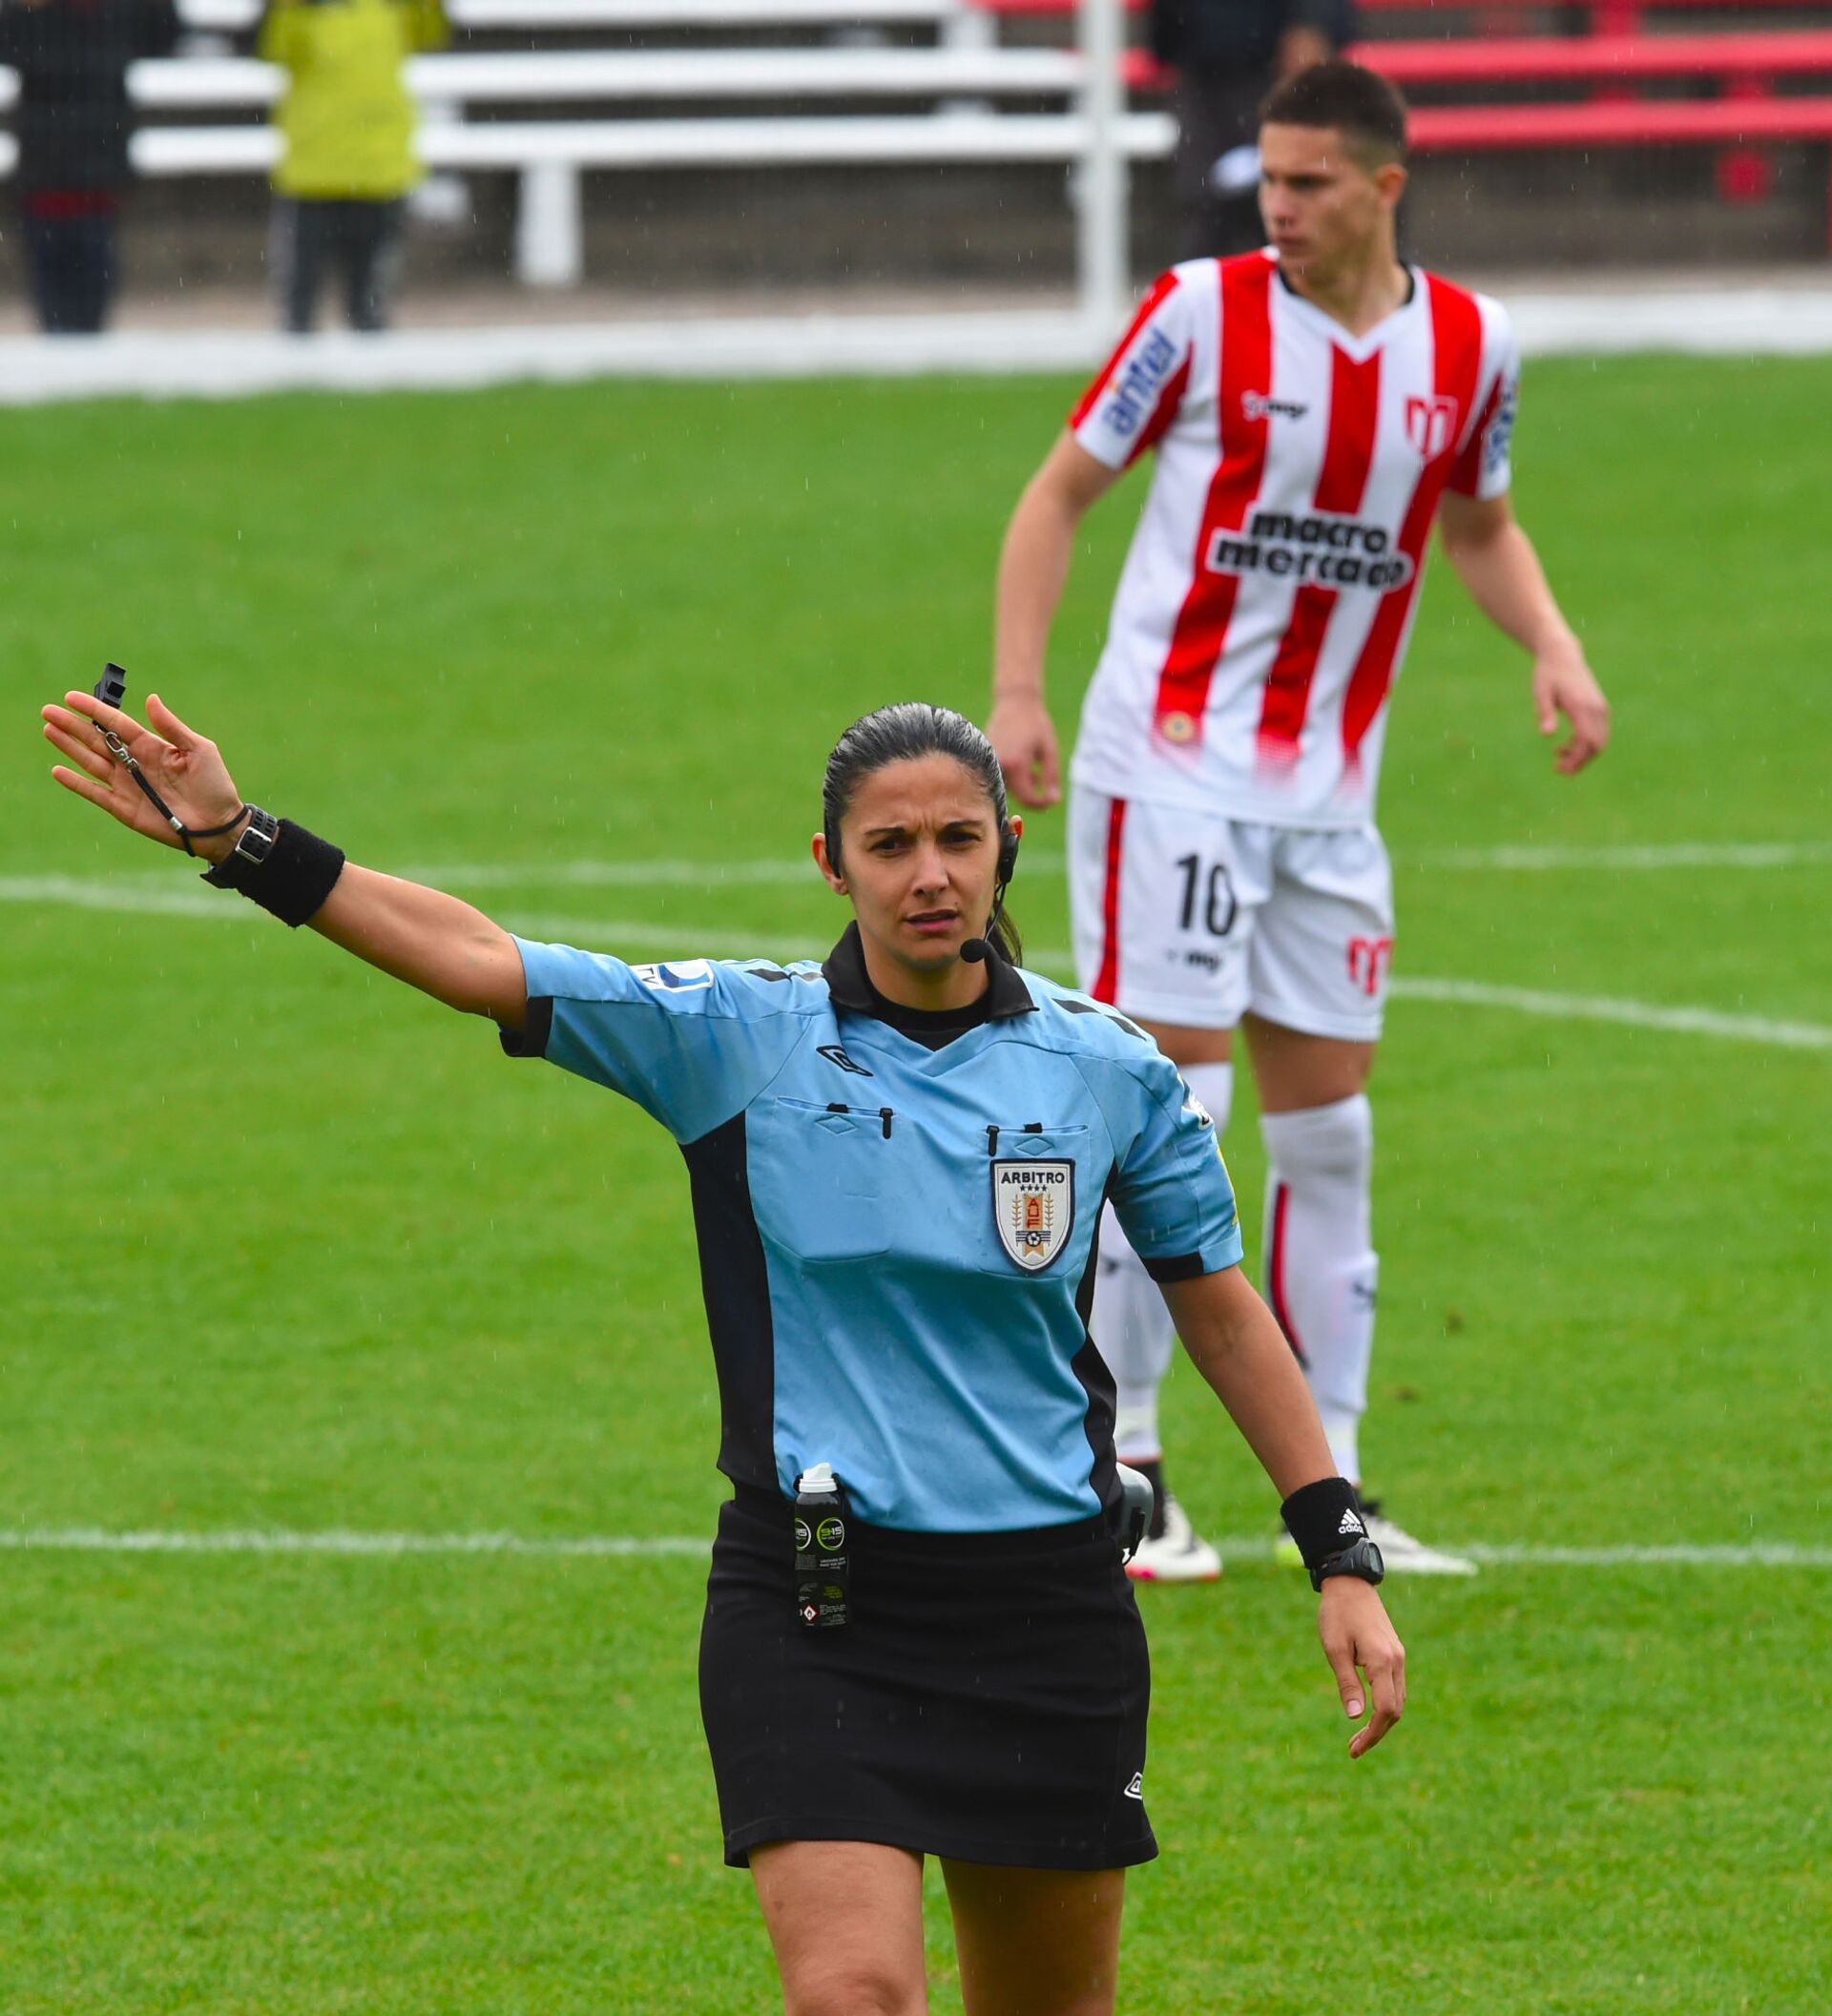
(821, 1177)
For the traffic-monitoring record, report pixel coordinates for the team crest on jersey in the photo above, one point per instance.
(1033, 1206)
(1431, 426)
(679, 976)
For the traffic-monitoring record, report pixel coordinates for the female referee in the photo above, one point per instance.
(898, 1161)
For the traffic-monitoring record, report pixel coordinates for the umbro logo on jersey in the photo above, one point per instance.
(1256, 405)
(834, 1054)
(1136, 1789)
(1351, 1523)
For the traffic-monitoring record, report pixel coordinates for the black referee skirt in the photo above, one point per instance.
(985, 1702)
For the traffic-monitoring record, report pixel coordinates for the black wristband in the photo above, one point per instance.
(1325, 1518)
(300, 872)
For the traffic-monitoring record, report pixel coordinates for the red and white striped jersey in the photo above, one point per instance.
(1269, 593)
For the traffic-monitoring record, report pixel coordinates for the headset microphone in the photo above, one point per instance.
(975, 950)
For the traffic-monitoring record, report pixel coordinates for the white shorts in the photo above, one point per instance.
(1194, 919)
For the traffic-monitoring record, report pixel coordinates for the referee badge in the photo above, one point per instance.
(1033, 1206)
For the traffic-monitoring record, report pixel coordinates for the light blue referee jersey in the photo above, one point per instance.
(897, 1242)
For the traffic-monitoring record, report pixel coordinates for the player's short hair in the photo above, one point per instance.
(1360, 105)
(896, 734)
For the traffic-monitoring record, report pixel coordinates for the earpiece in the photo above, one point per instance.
(974, 949)
(1007, 853)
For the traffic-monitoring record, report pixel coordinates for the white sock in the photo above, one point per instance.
(1129, 1322)
(1132, 1331)
(1322, 1270)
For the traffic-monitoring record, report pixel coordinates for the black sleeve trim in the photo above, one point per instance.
(531, 1039)
(1179, 1267)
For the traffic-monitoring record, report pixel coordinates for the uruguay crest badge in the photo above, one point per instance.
(1033, 1206)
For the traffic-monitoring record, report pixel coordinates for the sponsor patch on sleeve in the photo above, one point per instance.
(1500, 436)
(675, 976)
(1132, 396)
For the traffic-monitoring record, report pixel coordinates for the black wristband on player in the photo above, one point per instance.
(282, 867)
(1325, 1518)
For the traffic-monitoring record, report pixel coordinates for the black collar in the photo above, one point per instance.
(850, 989)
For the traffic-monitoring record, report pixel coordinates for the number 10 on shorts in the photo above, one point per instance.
(1208, 897)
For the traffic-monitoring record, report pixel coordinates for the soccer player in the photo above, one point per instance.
(1313, 408)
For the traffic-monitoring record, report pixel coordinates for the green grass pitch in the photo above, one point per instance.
(287, 1248)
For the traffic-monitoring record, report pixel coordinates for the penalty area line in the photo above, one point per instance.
(349, 1542)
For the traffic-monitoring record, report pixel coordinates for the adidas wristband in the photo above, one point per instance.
(293, 878)
(1323, 1518)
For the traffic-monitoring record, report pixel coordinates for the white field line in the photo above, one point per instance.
(226, 364)
(1635, 1014)
(711, 875)
(146, 896)
(343, 1541)
(1676, 855)
(1668, 855)
(668, 940)
(1756, 1553)
(634, 874)
(334, 1540)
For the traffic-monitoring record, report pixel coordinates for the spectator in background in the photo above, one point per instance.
(72, 57)
(1227, 55)
(347, 123)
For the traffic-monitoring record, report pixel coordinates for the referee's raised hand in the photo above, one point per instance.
(1358, 1634)
(184, 768)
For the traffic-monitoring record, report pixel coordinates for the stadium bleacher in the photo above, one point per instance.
(574, 107)
(909, 82)
(1739, 67)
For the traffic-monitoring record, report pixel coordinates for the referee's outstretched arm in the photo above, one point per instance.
(430, 940)
(1236, 1343)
